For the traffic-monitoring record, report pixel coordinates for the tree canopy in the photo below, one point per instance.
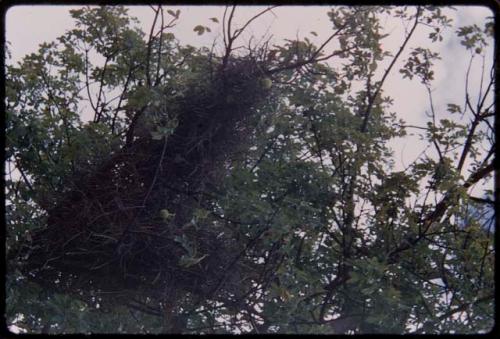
(153, 186)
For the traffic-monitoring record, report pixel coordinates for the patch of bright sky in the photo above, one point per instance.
(27, 27)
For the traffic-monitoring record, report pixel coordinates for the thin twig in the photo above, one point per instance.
(156, 172)
(388, 70)
(98, 114)
(150, 43)
(87, 80)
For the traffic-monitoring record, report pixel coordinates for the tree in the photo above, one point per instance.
(248, 190)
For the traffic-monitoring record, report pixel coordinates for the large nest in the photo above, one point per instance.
(125, 228)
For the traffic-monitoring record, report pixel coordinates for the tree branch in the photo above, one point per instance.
(386, 73)
(314, 58)
(438, 212)
(465, 306)
(150, 43)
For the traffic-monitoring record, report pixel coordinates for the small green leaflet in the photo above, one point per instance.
(174, 14)
(199, 29)
(186, 261)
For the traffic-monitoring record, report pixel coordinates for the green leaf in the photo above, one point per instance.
(200, 214)
(186, 261)
(214, 20)
(453, 108)
(169, 36)
(155, 135)
(199, 29)
(174, 14)
(166, 215)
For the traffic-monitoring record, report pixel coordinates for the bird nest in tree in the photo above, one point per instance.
(125, 228)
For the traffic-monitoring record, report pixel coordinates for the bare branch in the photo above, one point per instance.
(465, 306)
(87, 85)
(23, 175)
(482, 200)
(158, 167)
(238, 32)
(130, 130)
(162, 27)
(150, 44)
(314, 58)
(229, 21)
(122, 96)
(488, 90)
(224, 27)
(388, 70)
(468, 143)
(229, 41)
(467, 102)
(98, 114)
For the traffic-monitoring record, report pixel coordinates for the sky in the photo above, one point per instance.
(28, 26)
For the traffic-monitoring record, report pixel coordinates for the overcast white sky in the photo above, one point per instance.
(28, 26)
